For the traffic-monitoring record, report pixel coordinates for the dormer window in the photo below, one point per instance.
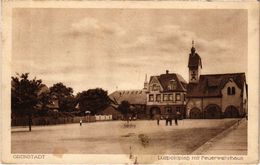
(172, 85)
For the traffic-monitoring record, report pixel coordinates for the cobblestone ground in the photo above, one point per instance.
(111, 137)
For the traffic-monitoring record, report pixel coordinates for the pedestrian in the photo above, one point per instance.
(80, 122)
(176, 120)
(167, 120)
(170, 119)
(158, 119)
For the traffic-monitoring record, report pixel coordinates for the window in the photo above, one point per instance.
(165, 97)
(178, 97)
(154, 87)
(178, 109)
(151, 99)
(184, 97)
(229, 91)
(193, 75)
(170, 97)
(172, 85)
(158, 97)
(233, 90)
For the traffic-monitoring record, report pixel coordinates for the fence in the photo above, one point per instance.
(51, 120)
(103, 117)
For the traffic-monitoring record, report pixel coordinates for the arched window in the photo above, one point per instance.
(228, 91)
(233, 90)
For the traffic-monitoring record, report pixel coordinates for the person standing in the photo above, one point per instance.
(158, 117)
(170, 120)
(80, 122)
(176, 119)
(166, 120)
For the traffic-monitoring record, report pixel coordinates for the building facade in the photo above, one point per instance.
(214, 95)
(165, 95)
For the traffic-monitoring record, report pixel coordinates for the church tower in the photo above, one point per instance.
(194, 65)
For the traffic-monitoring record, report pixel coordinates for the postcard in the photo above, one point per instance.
(130, 82)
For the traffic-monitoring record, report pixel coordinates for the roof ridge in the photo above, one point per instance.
(222, 74)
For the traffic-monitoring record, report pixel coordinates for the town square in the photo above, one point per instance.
(183, 139)
(90, 81)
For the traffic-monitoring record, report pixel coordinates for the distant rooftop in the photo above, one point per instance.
(132, 96)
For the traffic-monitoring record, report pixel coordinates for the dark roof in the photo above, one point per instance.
(165, 80)
(212, 84)
(194, 60)
(109, 110)
(132, 96)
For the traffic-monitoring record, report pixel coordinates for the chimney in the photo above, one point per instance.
(167, 71)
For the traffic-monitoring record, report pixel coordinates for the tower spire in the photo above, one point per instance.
(145, 83)
(193, 47)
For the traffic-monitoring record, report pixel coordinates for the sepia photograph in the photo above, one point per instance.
(138, 81)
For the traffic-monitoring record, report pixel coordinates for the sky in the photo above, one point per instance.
(115, 48)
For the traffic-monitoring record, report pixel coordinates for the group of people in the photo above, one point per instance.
(168, 119)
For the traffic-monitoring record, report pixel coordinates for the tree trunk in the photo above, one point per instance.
(30, 122)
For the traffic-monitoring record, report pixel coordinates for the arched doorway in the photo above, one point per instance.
(231, 112)
(154, 111)
(213, 111)
(195, 113)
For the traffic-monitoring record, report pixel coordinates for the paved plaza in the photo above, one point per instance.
(111, 137)
(232, 141)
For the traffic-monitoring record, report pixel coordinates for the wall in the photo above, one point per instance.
(235, 100)
(208, 101)
(192, 103)
(197, 72)
(201, 103)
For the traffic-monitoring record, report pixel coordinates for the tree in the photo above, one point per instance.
(93, 100)
(45, 100)
(124, 108)
(24, 96)
(66, 100)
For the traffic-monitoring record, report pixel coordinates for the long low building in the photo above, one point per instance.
(137, 99)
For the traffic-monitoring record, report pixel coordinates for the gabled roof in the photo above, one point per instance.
(212, 84)
(132, 96)
(165, 80)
